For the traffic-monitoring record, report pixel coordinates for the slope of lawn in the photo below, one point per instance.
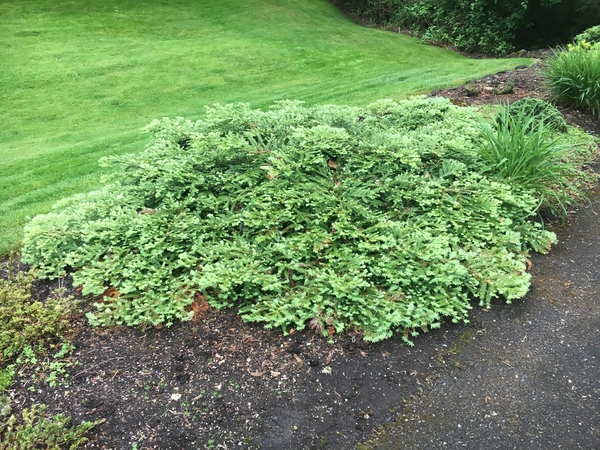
(79, 79)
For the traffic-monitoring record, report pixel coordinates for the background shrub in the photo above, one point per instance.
(573, 77)
(591, 35)
(534, 110)
(489, 26)
(379, 218)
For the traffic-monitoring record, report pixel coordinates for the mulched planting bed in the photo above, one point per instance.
(216, 382)
(219, 382)
(528, 82)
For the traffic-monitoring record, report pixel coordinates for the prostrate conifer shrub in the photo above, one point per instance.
(37, 430)
(378, 218)
(28, 323)
(27, 329)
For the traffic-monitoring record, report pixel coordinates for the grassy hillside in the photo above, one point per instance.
(79, 79)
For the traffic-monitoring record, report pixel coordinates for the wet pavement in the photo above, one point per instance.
(526, 375)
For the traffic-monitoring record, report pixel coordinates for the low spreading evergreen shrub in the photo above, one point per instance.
(27, 328)
(25, 322)
(378, 218)
(37, 430)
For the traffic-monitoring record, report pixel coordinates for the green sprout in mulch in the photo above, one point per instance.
(28, 328)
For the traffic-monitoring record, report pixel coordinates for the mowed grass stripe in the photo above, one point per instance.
(79, 79)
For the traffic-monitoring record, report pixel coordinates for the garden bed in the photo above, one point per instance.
(217, 382)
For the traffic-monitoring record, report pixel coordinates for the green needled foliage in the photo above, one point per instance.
(379, 218)
(25, 322)
(40, 431)
(27, 328)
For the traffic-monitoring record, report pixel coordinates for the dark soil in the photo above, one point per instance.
(216, 382)
(527, 81)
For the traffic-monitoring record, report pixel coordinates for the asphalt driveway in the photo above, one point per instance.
(526, 375)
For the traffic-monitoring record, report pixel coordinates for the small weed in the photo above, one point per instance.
(5, 407)
(473, 89)
(58, 373)
(40, 431)
(66, 348)
(27, 356)
(505, 88)
(6, 377)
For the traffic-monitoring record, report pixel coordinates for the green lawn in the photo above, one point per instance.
(79, 79)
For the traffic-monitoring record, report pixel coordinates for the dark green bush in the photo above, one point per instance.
(591, 35)
(479, 26)
(538, 110)
(488, 26)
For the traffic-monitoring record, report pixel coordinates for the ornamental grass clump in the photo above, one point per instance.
(523, 148)
(534, 110)
(573, 76)
(379, 218)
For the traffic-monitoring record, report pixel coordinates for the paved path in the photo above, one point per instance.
(527, 375)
